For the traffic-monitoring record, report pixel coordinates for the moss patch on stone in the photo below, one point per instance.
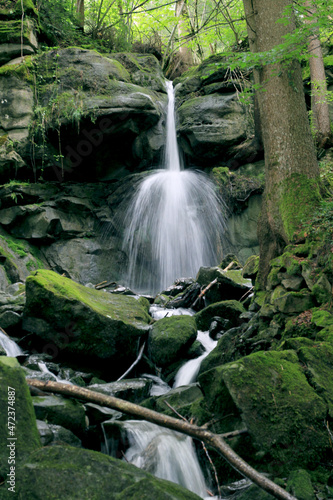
(72, 473)
(227, 309)
(15, 395)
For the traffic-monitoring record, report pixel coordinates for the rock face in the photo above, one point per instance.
(93, 476)
(211, 119)
(100, 328)
(14, 394)
(101, 105)
(61, 227)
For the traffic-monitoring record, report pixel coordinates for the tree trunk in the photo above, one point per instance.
(291, 168)
(251, 33)
(80, 13)
(184, 51)
(319, 104)
(214, 440)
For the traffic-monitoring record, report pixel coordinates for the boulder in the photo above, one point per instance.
(251, 267)
(134, 390)
(230, 284)
(170, 338)
(281, 411)
(45, 476)
(94, 326)
(227, 309)
(300, 486)
(60, 411)
(15, 397)
(51, 434)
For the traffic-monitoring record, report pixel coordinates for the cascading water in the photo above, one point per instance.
(187, 374)
(174, 222)
(166, 454)
(10, 347)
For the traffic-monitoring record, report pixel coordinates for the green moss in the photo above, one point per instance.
(221, 175)
(293, 210)
(13, 9)
(12, 376)
(170, 338)
(10, 31)
(94, 299)
(16, 246)
(280, 409)
(22, 70)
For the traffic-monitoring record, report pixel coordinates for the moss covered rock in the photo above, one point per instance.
(170, 339)
(230, 285)
(60, 411)
(227, 309)
(17, 416)
(300, 486)
(281, 411)
(73, 320)
(65, 472)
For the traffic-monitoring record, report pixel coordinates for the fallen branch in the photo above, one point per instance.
(104, 284)
(175, 424)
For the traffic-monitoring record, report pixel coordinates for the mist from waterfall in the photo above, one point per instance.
(174, 222)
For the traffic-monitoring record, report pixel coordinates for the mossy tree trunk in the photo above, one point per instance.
(319, 103)
(291, 168)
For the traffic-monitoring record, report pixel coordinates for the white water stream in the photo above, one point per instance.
(162, 452)
(10, 347)
(174, 222)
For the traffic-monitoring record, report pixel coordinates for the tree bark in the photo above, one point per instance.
(182, 426)
(80, 12)
(319, 103)
(291, 168)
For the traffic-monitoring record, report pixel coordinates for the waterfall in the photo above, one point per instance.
(166, 454)
(173, 223)
(187, 374)
(11, 348)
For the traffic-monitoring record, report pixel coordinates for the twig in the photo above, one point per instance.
(100, 285)
(135, 362)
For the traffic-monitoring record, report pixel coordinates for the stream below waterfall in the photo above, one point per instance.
(168, 454)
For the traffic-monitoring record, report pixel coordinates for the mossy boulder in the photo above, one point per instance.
(229, 285)
(251, 267)
(15, 397)
(143, 69)
(65, 472)
(60, 411)
(181, 399)
(170, 338)
(317, 358)
(72, 320)
(281, 411)
(300, 486)
(227, 309)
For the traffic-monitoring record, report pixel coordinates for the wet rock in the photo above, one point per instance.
(134, 390)
(230, 285)
(51, 434)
